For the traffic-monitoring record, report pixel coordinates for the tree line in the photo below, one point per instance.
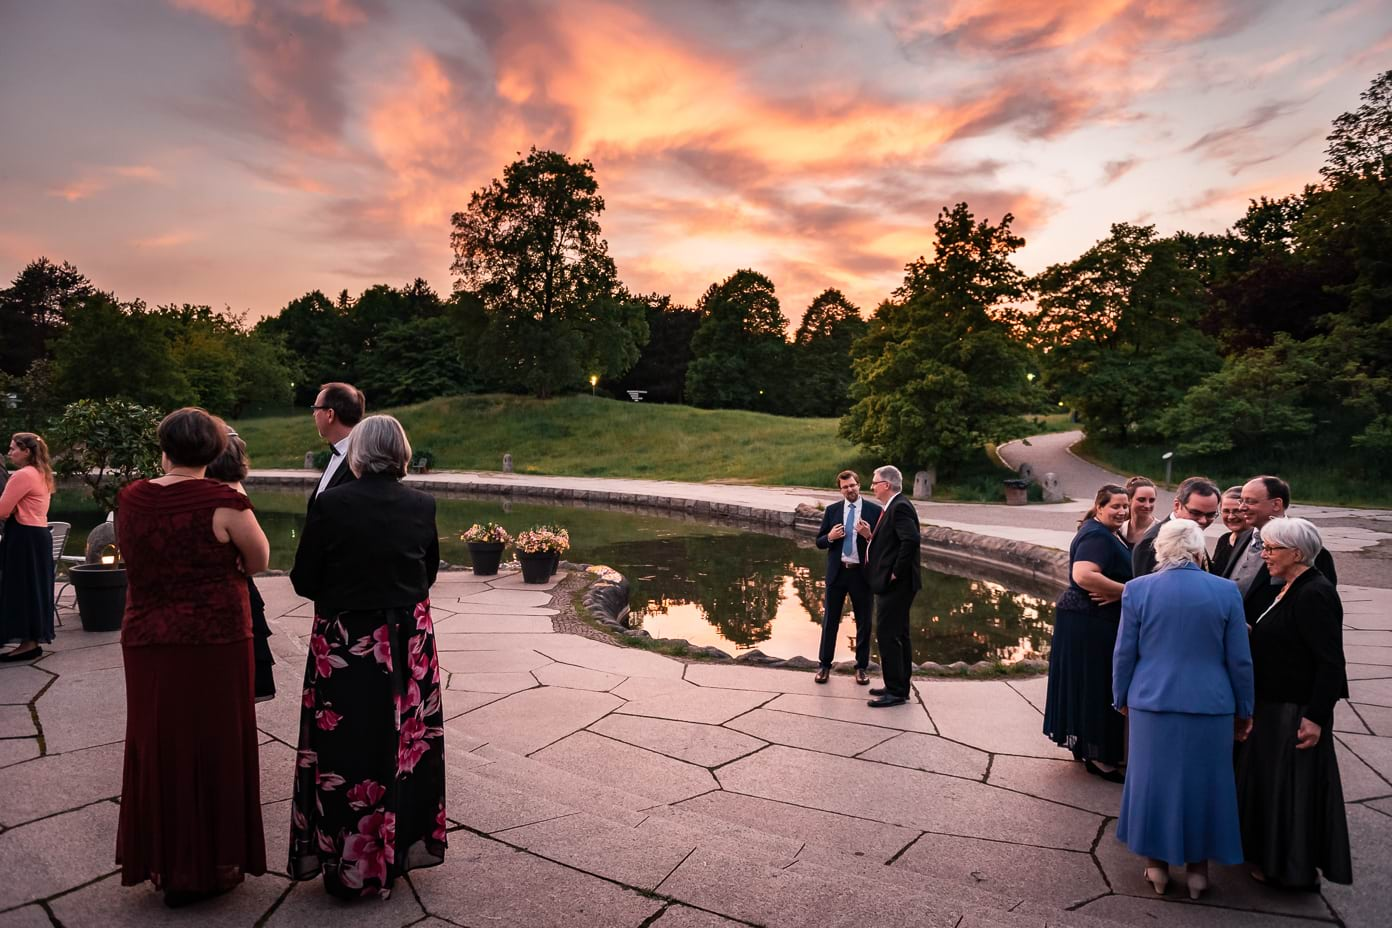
(1268, 335)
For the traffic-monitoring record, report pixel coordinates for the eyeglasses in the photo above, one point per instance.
(1199, 515)
(1267, 549)
(318, 408)
(877, 482)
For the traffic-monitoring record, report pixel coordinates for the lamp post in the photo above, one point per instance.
(594, 379)
(1168, 458)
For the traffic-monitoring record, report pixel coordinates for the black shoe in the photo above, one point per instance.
(1111, 776)
(16, 656)
(862, 676)
(878, 691)
(822, 675)
(888, 699)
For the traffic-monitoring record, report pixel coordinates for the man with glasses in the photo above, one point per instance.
(1197, 500)
(1265, 498)
(337, 408)
(845, 545)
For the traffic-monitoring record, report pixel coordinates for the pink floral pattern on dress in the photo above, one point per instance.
(369, 796)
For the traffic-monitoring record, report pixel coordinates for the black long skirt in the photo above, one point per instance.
(26, 583)
(1291, 801)
(369, 799)
(1078, 712)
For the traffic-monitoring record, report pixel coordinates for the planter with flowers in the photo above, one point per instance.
(486, 543)
(539, 550)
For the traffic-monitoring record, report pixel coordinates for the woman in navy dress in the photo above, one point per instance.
(1182, 674)
(1078, 711)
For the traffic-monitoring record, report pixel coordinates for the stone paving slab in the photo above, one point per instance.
(933, 754)
(813, 734)
(82, 710)
(702, 745)
(527, 721)
(1370, 840)
(103, 657)
(682, 916)
(987, 715)
(856, 836)
(637, 770)
(33, 916)
(60, 781)
(108, 902)
(458, 702)
(19, 685)
(1062, 781)
(698, 705)
(492, 682)
(1057, 877)
(512, 660)
(597, 656)
(1359, 781)
(482, 882)
(577, 678)
(18, 750)
(309, 904)
(16, 722)
(627, 855)
(1348, 720)
(1373, 692)
(44, 858)
(1367, 671)
(1377, 720)
(913, 798)
(492, 597)
(1131, 910)
(908, 717)
(483, 617)
(1373, 751)
(772, 680)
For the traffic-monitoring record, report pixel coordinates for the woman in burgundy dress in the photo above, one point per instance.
(190, 817)
(369, 801)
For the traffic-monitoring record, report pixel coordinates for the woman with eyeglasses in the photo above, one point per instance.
(26, 550)
(1290, 798)
(1230, 511)
(1078, 712)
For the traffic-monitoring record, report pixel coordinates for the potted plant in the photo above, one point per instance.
(486, 543)
(1016, 492)
(559, 543)
(537, 548)
(106, 444)
(422, 461)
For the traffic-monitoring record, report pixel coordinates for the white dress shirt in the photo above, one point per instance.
(335, 462)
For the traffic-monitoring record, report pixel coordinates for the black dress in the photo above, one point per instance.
(1291, 801)
(1078, 712)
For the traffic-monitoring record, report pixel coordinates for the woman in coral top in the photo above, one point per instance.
(191, 790)
(26, 552)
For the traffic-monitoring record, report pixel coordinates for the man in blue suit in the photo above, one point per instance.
(845, 574)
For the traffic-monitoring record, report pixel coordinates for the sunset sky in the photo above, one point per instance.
(242, 152)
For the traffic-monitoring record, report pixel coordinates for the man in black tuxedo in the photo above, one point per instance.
(1263, 499)
(893, 574)
(845, 575)
(1196, 500)
(337, 408)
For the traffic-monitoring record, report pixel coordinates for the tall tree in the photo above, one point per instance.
(318, 333)
(1119, 330)
(33, 311)
(661, 367)
(529, 246)
(822, 349)
(1360, 145)
(112, 350)
(939, 373)
(738, 352)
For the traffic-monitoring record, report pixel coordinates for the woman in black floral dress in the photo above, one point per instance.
(369, 801)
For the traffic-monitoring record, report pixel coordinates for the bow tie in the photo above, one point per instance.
(333, 451)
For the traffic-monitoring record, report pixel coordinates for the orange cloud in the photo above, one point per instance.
(164, 240)
(100, 179)
(231, 12)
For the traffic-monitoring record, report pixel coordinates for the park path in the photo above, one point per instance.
(1079, 479)
(596, 786)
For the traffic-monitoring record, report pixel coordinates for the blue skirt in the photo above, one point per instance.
(1179, 803)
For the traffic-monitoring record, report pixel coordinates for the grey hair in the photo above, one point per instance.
(1178, 541)
(1299, 534)
(379, 445)
(890, 475)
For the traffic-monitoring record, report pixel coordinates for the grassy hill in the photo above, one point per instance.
(597, 437)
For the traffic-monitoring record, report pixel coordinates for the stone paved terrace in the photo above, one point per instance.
(592, 785)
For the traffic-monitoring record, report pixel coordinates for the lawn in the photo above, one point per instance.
(597, 437)
(1317, 475)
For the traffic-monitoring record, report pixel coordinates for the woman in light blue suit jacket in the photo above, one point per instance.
(1182, 674)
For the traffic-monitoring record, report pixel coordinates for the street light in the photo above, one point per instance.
(594, 379)
(1168, 458)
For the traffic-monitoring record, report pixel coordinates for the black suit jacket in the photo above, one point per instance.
(1223, 551)
(1143, 555)
(836, 515)
(894, 550)
(343, 475)
(1262, 593)
(368, 544)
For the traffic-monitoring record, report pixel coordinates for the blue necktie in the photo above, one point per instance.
(848, 543)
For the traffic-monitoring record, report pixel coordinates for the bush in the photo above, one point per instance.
(106, 444)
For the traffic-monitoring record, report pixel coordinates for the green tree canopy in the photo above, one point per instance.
(738, 353)
(939, 372)
(33, 311)
(822, 347)
(529, 246)
(662, 363)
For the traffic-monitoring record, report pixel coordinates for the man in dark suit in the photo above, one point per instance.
(337, 408)
(1263, 499)
(893, 575)
(1198, 501)
(845, 574)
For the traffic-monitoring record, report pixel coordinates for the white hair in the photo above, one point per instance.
(890, 475)
(379, 445)
(1178, 541)
(1299, 534)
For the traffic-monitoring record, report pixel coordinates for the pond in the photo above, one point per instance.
(712, 584)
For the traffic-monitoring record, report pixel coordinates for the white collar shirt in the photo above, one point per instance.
(335, 462)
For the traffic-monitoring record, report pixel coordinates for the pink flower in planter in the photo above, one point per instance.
(366, 794)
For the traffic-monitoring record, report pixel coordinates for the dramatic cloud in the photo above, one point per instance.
(289, 145)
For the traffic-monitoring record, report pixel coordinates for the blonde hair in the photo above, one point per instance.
(38, 455)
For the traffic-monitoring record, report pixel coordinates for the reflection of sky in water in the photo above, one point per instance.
(710, 584)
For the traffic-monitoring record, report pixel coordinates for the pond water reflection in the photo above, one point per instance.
(711, 584)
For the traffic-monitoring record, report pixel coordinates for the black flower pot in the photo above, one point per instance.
(101, 596)
(536, 568)
(485, 556)
(555, 563)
